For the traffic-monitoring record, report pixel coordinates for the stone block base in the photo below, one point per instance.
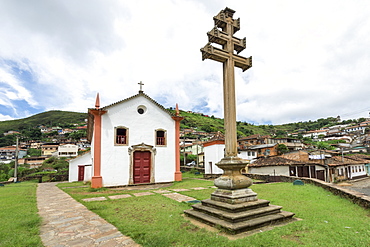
(234, 196)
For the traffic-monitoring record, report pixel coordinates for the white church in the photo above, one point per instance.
(133, 141)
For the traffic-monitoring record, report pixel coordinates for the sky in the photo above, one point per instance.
(311, 59)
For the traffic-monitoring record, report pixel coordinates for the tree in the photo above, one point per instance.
(34, 152)
(58, 164)
(282, 148)
(323, 145)
(77, 135)
(281, 133)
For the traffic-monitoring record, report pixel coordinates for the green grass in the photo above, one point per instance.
(19, 225)
(155, 220)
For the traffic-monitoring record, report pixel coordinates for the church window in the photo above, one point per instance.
(160, 138)
(121, 136)
(141, 109)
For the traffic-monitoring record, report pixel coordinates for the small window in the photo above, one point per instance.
(141, 109)
(121, 136)
(160, 137)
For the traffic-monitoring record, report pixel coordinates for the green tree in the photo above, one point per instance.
(282, 148)
(323, 145)
(58, 164)
(77, 134)
(34, 152)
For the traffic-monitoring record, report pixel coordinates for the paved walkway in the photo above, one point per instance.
(68, 223)
(360, 185)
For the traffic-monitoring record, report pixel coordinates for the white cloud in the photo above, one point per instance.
(309, 57)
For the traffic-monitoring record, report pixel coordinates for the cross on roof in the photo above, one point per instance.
(141, 86)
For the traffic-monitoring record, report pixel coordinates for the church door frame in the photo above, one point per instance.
(142, 148)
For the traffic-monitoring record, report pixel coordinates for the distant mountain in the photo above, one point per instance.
(50, 118)
(197, 121)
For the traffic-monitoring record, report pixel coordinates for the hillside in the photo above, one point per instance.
(197, 121)
(50, 118)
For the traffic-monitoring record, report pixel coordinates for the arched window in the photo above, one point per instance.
(160, 137)
(121, 136)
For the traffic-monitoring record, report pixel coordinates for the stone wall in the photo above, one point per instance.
(354, 196)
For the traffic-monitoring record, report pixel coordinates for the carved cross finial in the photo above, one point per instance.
(97, 102)
(141, 86)
(177, 110)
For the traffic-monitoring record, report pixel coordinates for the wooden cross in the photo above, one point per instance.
(222, 34)
(141, 86)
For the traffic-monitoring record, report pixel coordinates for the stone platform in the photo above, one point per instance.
(240, 217)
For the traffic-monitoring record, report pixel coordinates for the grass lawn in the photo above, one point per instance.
(156, 220)
(19, 225)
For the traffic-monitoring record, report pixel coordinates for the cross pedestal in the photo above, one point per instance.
(233, 206)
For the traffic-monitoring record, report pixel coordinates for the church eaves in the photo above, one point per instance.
(140, 94)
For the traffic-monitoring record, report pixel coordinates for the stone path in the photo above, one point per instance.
(68, 223)
(171, 193)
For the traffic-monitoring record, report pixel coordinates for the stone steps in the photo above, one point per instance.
(227, 207)
(242, 226)
(238, 218)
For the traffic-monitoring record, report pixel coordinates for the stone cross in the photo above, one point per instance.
(222, 34)
(141, 86)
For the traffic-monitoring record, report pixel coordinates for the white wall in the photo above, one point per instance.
(357, 170)
(115, 160)
(213, 154)
(69, 150)
(244, 155)
(269, 170)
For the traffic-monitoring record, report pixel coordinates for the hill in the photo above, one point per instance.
(49, 118)
(197, 121)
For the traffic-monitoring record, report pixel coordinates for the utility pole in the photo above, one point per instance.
(16, 161)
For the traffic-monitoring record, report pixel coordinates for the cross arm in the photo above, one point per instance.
(219, 55)
(221, 21)
(219, 37)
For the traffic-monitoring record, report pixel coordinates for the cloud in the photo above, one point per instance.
(309, 62)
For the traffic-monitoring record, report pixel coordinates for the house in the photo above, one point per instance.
(80, 168)
(346, 167)
(47, 149)
(133, 141)
(291, 143)
(35, 162)
(8, 154)
(67, 150)
(278, 165)
(194, 149)
(214, 151)
(11, 132)
(314, 134)
(356, 128)
(252, 140)
(365, 159)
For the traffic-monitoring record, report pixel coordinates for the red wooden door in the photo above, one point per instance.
(81, 173)
(142, 167)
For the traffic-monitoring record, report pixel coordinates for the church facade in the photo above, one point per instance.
(133, 141)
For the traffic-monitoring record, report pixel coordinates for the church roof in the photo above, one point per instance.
(141, 93)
